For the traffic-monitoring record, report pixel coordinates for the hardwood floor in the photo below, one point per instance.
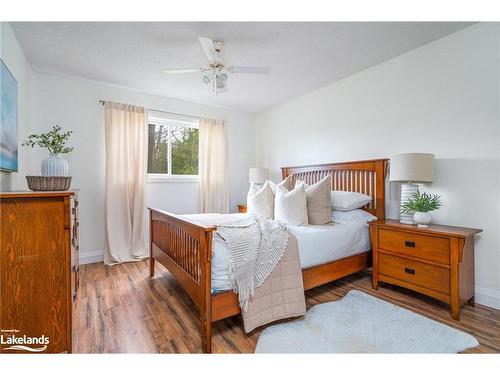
(121, 310)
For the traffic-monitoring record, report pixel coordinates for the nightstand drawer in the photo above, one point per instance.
(418, 273)
(435, 249)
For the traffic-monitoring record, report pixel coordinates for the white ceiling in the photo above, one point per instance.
(302, 56)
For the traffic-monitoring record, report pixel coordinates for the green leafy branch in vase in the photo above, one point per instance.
(54, 141)
(422, 202)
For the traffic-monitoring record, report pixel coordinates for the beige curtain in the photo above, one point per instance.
(214, 178)
(126, 161)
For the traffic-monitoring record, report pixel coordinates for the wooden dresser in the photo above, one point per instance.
(437, 261)
(38, 270)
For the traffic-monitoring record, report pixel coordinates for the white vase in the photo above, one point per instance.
(422, 219)
(55, 165)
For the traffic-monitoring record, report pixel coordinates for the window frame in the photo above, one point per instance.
(169, 120)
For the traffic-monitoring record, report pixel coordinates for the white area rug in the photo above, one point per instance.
(360, 323)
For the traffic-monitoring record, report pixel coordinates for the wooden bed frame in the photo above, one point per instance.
(185, 248)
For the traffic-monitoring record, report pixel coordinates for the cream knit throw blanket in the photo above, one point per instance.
(255, 244)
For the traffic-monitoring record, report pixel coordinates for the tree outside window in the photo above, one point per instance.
(172, 149)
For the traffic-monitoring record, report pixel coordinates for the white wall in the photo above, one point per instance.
(13, 57)
(441, 98)
(74, 104)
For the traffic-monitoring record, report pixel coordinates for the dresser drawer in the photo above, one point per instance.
(418, 273)
(435, 249)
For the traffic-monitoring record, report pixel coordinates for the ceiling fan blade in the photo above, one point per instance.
(180, 71)
(208, 47)
(249, 69)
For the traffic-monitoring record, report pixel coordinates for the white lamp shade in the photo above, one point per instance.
(258, 175)
(412, 167)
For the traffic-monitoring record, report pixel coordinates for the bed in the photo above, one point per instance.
(317, 245)
(185, 247)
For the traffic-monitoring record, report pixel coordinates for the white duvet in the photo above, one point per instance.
(318, 244)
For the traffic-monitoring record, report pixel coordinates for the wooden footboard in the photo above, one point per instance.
(185, 249)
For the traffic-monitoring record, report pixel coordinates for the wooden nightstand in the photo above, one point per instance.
(242, 208)
(437, 261)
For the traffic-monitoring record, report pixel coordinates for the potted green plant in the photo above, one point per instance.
(55, 142)
(421, 204)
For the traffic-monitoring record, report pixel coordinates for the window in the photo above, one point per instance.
(172, 147)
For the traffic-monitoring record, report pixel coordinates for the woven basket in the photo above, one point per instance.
(49, 183)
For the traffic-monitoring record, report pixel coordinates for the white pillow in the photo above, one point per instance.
(260, 200)
(348, 200)
(290, 207)
(319, 201)
(354, 216)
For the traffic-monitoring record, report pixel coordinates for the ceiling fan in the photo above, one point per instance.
(216, 73)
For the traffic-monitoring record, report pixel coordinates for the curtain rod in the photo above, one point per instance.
(157, 110)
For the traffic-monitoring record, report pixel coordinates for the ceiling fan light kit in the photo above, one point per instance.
(216, 73)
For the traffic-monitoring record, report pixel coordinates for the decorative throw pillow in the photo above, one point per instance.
(286, 183)
(260, 200)
(319, 201)
(348, 200)
(290, 207)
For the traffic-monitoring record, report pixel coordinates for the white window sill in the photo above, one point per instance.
(163, 178)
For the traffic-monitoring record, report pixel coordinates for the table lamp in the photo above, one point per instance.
(410, 168)
(258, 175)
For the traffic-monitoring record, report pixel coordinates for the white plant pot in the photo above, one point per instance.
(422, 219)
(55, 165)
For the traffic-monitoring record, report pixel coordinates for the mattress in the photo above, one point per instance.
(318, 244)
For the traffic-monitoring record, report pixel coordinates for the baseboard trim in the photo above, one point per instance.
(87, 257)
(488, 297)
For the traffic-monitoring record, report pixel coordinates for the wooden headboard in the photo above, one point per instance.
(364, 176)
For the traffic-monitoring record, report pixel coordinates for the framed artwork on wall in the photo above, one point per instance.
(8, 120)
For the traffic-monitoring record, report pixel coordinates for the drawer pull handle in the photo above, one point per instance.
(411, 271)
(409, 244)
